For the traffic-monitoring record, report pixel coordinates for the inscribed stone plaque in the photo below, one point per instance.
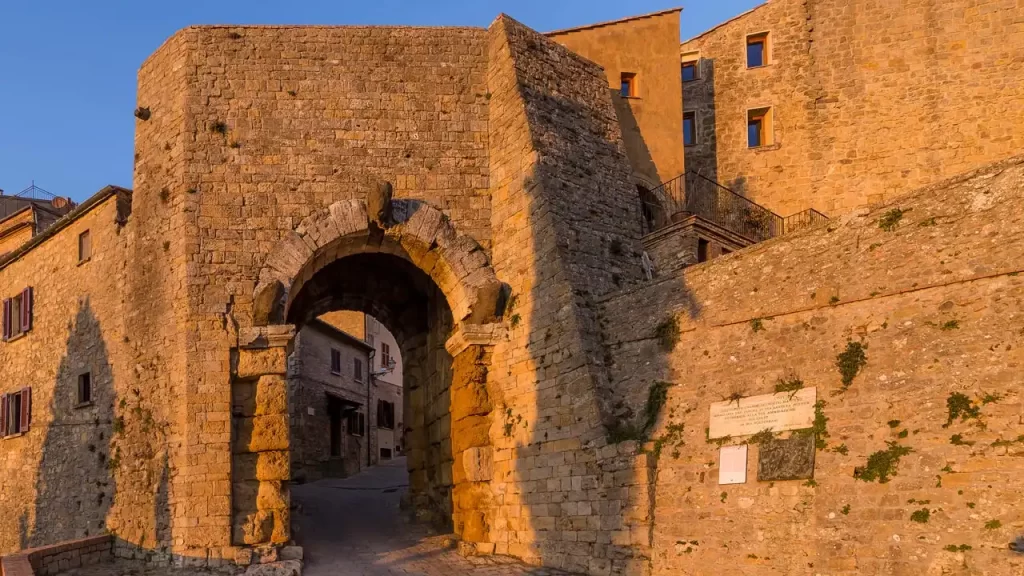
(789, 459)
(775, 412)
(732, 464)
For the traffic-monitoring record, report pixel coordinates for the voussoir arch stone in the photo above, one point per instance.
(420, 233)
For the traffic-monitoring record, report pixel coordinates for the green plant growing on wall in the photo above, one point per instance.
(657, 395)
(672, 438)
(667, 333)
(1001, 442)
(763, 437)
(921, 516)
(792, 385)
(511, 421)
(990, 398)
(955, 548)
(993, 525)
(850, 362)
(841, 449)
(846, 510)
(958, 440)
(219, 127)
(891, 219)
(893, 423)
(757, 324)
(960, 406)
(949, 325)
(928, 222)
(820, 427)
(882, 464)
(833, 301)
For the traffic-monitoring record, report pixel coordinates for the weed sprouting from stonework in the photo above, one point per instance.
(841, 449)
(949, 325)
(763, 437)
(118, 425)
(903, 433)
(757, 324)
(893, 423)
(723, 496)
(615, 247)
(955, 548)
(921, 516)
(292, 93)
(882, 464)
(833, 301)
(850, 361)
(219, 127)
(812, 483)
(234, 144)
(673, 438)
(993, 525)
(990, 398)
(514, 321)
(928, 222)
(167, 245)
(1001, 442)
(511, 421)
(234, 35)
(667, 333)
(891, 219)
(958, 440)
(960, 406)
(657, 395)
(845, 510)
(792, 385)
(820, 427)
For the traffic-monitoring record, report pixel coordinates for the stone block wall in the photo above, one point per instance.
(870, 100)
(931, 294)
(57, 558)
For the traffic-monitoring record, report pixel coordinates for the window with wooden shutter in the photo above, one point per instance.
(3, 414)
(26, 410)
(8, 308)
(18, 314)
(26, 309)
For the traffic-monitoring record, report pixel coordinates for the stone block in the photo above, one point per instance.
(478, 464)
(256, 362)
(280, 568)
(271, 396)
(262, 434)
(272, 496)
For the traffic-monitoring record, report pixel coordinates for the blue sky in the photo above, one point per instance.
(68, 68)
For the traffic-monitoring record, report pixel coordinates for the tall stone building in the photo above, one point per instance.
(558, 396)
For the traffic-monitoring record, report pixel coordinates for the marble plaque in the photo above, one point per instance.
(789, 459)
(775, 412)
(732, 464)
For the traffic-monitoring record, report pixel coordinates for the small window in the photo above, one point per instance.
(15, 412)
(18, 314)
(385, 355)
(627, 88)
(84, 246)
(385, 414)
(335, 361)
(689, 71)
(757, 50)
(356, 423)
(385, 453)
(759, 127)
(84, 389)
(702, 250)
(357, 369)
(689, 128)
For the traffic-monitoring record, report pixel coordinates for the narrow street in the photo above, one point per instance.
(353, 527)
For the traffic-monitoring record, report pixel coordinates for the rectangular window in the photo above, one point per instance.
(627, 87)
(689, 71)
(689, 128)
(757, 50)
(759, 127)
(335, 361)
(385, 453)
(385, 355)
(15, 412)
(356, 423)
(702, 250)
(84, 389)
(357, 369)
(385, 414)
(84, 246)
(18, 314)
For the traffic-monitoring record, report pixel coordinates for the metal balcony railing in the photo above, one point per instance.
(692, 194)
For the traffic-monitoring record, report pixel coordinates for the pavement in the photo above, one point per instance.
(353, 527)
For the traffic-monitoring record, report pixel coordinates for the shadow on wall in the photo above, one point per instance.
(75, 486)
(699, 98)
(652, 211)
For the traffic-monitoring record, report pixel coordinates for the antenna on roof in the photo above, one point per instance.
(34, 192)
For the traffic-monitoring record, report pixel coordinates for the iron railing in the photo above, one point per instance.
(805, 219)
(693, 194)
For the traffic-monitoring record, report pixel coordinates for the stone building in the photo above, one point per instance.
(28, 213)
(557, 399)
(331, 397)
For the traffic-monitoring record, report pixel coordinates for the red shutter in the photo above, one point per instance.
(26, 409)
(7, 318)
(3, 415)
(26, 309)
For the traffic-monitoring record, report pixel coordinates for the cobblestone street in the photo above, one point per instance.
(353, 527)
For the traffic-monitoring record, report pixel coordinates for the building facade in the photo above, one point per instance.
(556, 397)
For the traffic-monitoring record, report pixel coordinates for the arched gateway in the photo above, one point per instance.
(435, 290)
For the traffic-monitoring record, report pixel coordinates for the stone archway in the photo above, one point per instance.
(457, 266)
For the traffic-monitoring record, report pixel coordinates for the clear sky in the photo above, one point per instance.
(68, 67)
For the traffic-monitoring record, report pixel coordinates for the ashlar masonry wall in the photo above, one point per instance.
(870, 99)
(929, 289)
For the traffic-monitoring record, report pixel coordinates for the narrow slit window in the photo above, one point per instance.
(757, 50)
(335, 361)
(689, 128)
(84, 246)
(702, 250)
(760, 131)
(84, 389)
(357, 369)
(627, 87)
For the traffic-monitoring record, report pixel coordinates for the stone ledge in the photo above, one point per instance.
(32, 561)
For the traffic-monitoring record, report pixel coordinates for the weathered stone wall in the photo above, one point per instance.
(566, 227)
(309, 380)
(652, 121)
(68, 460)
(16, 230)
(936, 303)
(870, 99)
